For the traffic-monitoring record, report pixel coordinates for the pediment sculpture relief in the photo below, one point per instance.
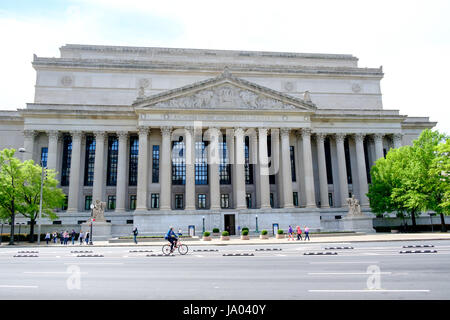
(224, 96)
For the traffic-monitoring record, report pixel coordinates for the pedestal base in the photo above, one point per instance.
(358, 224)
(101, 231)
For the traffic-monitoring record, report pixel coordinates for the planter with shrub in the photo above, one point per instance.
(244, 235)
(280, 234)
(216, 232)
(207, 236)
(225, 236)
(264, 235)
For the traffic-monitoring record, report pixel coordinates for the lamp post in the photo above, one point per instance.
(18, 235)
(43, 173)
(203, 225)
(90, 233)
(431, 221)
(257, 224)
(1, 234)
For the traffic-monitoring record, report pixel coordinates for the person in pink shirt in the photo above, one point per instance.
(299, 233)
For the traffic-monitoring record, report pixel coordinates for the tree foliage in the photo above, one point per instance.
(411, 178)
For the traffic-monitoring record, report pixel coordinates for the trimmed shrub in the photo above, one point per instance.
(264, 232)
(245, 228)
(245, 232)
(225, 233)
(206, 234)
(216, 230)
(280, 231)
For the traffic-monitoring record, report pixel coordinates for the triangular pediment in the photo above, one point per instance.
(224, 92)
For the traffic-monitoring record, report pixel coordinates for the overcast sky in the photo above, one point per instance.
(410, 39)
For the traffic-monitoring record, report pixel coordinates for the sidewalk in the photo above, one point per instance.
(376, 237)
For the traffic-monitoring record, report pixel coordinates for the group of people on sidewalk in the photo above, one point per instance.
(64, 237)
(299, 233)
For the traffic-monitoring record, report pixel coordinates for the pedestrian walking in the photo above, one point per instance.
(87, 237)
(290, 234)
(66, 237)
(299, 233)
(55, 237)
(47, 237)
(135, 233)
(306, 233)
(81, 238)
(73, 236)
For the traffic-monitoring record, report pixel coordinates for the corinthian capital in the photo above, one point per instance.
(166, 131)
(76, 134)
(320, 137)
(53, 134)
(238, 132)
(29, 133)
(122, 134)
(340, 137)
(262, 131)
(359, 137)
(99, 135)
(143, 130)
(285, 132)
(306, 132)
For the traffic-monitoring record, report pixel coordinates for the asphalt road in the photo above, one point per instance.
(368, 271)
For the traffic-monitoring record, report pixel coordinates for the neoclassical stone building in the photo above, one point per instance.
(211, 138)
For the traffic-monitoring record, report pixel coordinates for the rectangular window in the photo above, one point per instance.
(224, 200)
(133, 160)
(66, 203)
(347, 161)
(225, 167)
(179, 201)
(328, 161)
(155, 201)
(178, 163)
(366, 159)
(155, 164)
(330, 199)
(111, 202)
(248, 199)
(87, 202)
(272, 204)
(201, 163)
(89, 161)
(247, 166)
(113, 153)
(44, 157)
(295, 199)
(201, 201)
(133, 202)
(294, 178)
(67, 155)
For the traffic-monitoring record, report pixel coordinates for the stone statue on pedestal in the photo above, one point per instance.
(98, 212)
(354, 209)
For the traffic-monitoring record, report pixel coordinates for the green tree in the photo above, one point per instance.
(11, 182)
(440, 171)
(52, 196)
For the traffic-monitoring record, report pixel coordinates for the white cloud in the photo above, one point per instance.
(411, 39)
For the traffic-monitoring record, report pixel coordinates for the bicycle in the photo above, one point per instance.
(182, 248)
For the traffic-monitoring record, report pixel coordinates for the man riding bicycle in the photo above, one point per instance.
(172, 237)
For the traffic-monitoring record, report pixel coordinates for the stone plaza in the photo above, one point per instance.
(207, 139)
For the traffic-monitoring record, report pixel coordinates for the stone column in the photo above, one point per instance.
(166, 169)
(75, 174)
(378, 138)
(286, 168)
(28, 144)
(263, 169)
(308, 168)
(275, 163)
(52, 149)
(322, 165)
(121, 187)
(240, 169)
(397, 138)
(190, 168)
(342, 169)
(141, 190)
(97, 189)
(213, 165)
(361, 164)
(254, 160)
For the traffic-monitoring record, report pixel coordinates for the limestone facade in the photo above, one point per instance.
(207, 137)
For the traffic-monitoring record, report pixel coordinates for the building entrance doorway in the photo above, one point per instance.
(230, 224)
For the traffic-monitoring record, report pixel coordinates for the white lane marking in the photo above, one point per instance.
(280, 255)
(367, 290)
(25, 287)
(94, 263)
(51, 272)
(342, 273)
(199, 256)
(334, 262)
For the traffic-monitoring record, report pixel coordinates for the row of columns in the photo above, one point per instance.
(236, 147)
